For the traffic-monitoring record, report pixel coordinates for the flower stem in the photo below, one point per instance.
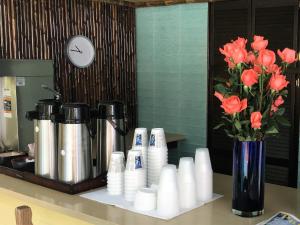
(261, 88)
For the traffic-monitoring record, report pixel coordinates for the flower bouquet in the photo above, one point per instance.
(252, 97)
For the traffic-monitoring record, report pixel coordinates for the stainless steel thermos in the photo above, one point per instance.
(45, 137)
(110, 133)
(74, 143)
(63, 138)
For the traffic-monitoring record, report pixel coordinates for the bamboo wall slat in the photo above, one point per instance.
(39, 29)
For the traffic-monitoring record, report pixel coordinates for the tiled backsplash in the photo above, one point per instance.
(172, 46)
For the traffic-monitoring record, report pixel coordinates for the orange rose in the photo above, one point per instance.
(275, 69)
(249, 77)
(266, 57)
(278, 82)
(259, 43)
(255, 119)
(233, 104)
(219, 96)
(257, 69)
(241, 42)
(227, 49)
(251, 57)
(239, 55)
(229, 63)
(273, 108)
(279, 101)
(287, 55)
(235, 52)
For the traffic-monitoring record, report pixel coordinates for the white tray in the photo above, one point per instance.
(101, 195)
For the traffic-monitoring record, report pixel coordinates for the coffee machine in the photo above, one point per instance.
(20, 89)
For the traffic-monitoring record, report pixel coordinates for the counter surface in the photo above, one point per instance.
(277, 198)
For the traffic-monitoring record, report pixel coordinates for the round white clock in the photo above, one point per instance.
(80, 51)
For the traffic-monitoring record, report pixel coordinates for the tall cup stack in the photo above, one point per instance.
(204, 175)
(167, 193)
(157, 155)
(187, 183)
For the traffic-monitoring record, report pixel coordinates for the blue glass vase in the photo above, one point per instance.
(248, 175)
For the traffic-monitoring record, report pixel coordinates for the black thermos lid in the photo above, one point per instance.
(43, 109)
(75, 113)
(111, 109)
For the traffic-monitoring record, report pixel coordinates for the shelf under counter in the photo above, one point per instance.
(278, 198)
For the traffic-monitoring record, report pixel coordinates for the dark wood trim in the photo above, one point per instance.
(294, 139)
(210, 71)
(170, 2)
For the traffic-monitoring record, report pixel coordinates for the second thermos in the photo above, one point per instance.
(74, 143)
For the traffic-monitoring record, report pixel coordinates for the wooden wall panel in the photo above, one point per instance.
(39, 29)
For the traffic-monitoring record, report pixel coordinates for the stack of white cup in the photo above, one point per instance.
(167, 193)
(115, 175)
(187, 183)
(140, 142)
(157, 155)
(204, 175)
(135, 174)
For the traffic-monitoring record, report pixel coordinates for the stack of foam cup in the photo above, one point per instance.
(187, 183)
(115, 175)
(157, 155)
(140, 142)
(167, 193)
(135, 174)
(204, 175)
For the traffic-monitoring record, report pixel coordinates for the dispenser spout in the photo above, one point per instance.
(56, 93)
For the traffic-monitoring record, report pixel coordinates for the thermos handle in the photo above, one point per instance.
(118, 129)
(91, 130)
(32, 115)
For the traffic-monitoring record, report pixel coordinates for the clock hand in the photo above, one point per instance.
(74, 50)
(78, 49)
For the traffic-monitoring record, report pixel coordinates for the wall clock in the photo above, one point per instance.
(80, 51)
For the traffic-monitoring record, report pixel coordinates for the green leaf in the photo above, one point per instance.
(280, 111)
(245, 122)
(266, 113)
(283, 121)
(251, 109)
(284, 92)
(272, 130)
(238, 125)
(220, 88)
(248, 138)
(226, 118)
(241, 138)
(219, 126)
(228, 133)
(220, 79)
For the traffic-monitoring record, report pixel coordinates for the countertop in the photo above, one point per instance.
(277, 198)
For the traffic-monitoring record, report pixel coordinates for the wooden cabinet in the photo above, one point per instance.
(278, 22)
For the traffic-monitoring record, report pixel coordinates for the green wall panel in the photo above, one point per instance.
(172, 62)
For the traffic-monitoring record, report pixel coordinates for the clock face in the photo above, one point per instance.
(80, 51)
